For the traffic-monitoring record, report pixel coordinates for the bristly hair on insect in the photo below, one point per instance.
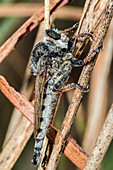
(53, 59)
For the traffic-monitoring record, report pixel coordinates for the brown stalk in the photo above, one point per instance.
(102, 144)
(26, 90)
(22, 133)
(27, 27)
(41, 79)
(19, 9)
(99, 29)
(13, 148)
(17, 121)
(16, 143)
(26, 10)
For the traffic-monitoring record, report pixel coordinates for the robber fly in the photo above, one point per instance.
(53, 60)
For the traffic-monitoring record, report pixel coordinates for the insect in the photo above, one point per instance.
(53, 60)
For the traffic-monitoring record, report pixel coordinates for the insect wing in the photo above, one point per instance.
(39, 92)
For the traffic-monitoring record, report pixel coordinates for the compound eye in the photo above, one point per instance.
(53, 34)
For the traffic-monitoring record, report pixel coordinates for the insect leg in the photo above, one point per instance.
(64, 73)
(78, 63)
(66, 88)
(71, 40)
(71, 28)
(92, 54)
(62, 77)
(72, 86)
(83, 35)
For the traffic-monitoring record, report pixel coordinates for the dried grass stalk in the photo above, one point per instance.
(28, 9)
(26, 90)
(72, 150)
(99, 31)
(40, 78)
(102, 144)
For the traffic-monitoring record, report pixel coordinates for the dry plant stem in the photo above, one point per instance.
(72, 150)
(27, 27)
(99, 34)
(26, 90)
(46, 15)
(46, 26)
(102, 144)
(98, 93)
(16, 144)
(90, 19)
(28, 9)
(17, 99)
(14, 121)
(77, 155)
(26, 127)
(19, 9)
(21, 135)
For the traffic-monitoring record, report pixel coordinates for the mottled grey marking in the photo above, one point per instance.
(56, 56)
(53, 52)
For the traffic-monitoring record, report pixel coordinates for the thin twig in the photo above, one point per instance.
(72, 150)
(19, 9)
(28, 9)
(17, 99)
(39, 78)
(27, 27)
(18, 140)
(46, 15)
(102, 144)
(99, 35)
(16, 144)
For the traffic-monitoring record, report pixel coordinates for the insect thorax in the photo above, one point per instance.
(54, 52)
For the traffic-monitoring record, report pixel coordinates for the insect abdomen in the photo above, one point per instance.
(46, 118)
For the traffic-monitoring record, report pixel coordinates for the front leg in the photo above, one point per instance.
(78, 63)
(65, 70)
(71, 28)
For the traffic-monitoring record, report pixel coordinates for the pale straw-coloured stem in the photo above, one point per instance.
(102, 144)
